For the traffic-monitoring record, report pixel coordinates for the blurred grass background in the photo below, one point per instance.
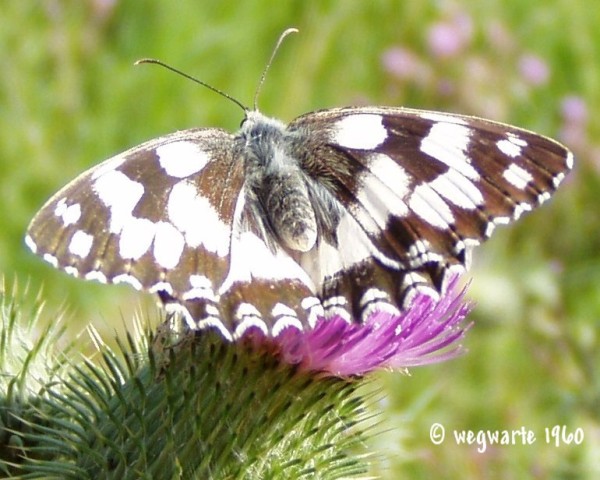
(70, 97)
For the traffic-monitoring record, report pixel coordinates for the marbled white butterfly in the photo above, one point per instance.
(343, 211)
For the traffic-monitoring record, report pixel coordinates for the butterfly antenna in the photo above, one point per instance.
(193, 79)
(264, 73)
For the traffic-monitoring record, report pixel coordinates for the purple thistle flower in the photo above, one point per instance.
(425, 333)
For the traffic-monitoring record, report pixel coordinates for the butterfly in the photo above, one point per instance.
(344, 211)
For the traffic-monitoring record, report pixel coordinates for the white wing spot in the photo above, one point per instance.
(516, 140)
(509, 148)
(520, 209)
(413, 278)
(161, 287)
(465, 247)
(382, 191)
(81, 243)
(69, 214)
(314, 308)
(252, 258)
(337, 306)
(569, 161)
(212, 322)
(334, 302)
(420, 253)
(120, 194)
(60, 208)
(442, 118)
(72, 214)
(51, 259)
(283, 310)
(517, 176)
(246, 310)
(136, 237)
(96, 275)
(379, 306)
(129, 279)
(542, 197)
(202, 287)
(249, 323)
(182, 159)
(284, 323)
(174, 308)
(354, 247)
(557, 180)
(496, 221)
(372, 295)
(429, 206)
(457, 189)
(197, 219)
(448, 143)
(360, 131)
(390, 174)
(168, 245)
(72, 271)
(30, 243)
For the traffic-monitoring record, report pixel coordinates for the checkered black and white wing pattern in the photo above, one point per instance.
(419, 190)
(168, 217)
(342, 212)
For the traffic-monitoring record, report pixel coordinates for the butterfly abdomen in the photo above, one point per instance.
(274, 178)
(288, 207)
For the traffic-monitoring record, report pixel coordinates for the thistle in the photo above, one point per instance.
(166, 405)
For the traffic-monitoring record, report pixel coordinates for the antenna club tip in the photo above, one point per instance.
(145, 60)
(286, 32)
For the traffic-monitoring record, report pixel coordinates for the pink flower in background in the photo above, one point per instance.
(402, 63)
(449, 38)
(104, 8)
(575, 118)
(534, 69)
(574, 110)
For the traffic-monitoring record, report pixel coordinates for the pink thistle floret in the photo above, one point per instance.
(427, 332)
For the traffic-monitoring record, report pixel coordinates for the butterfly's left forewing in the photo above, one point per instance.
(170, 216)
(419, 190)
(134, 218)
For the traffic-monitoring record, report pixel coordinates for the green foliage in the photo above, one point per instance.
(201, 408)
(29, 366)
